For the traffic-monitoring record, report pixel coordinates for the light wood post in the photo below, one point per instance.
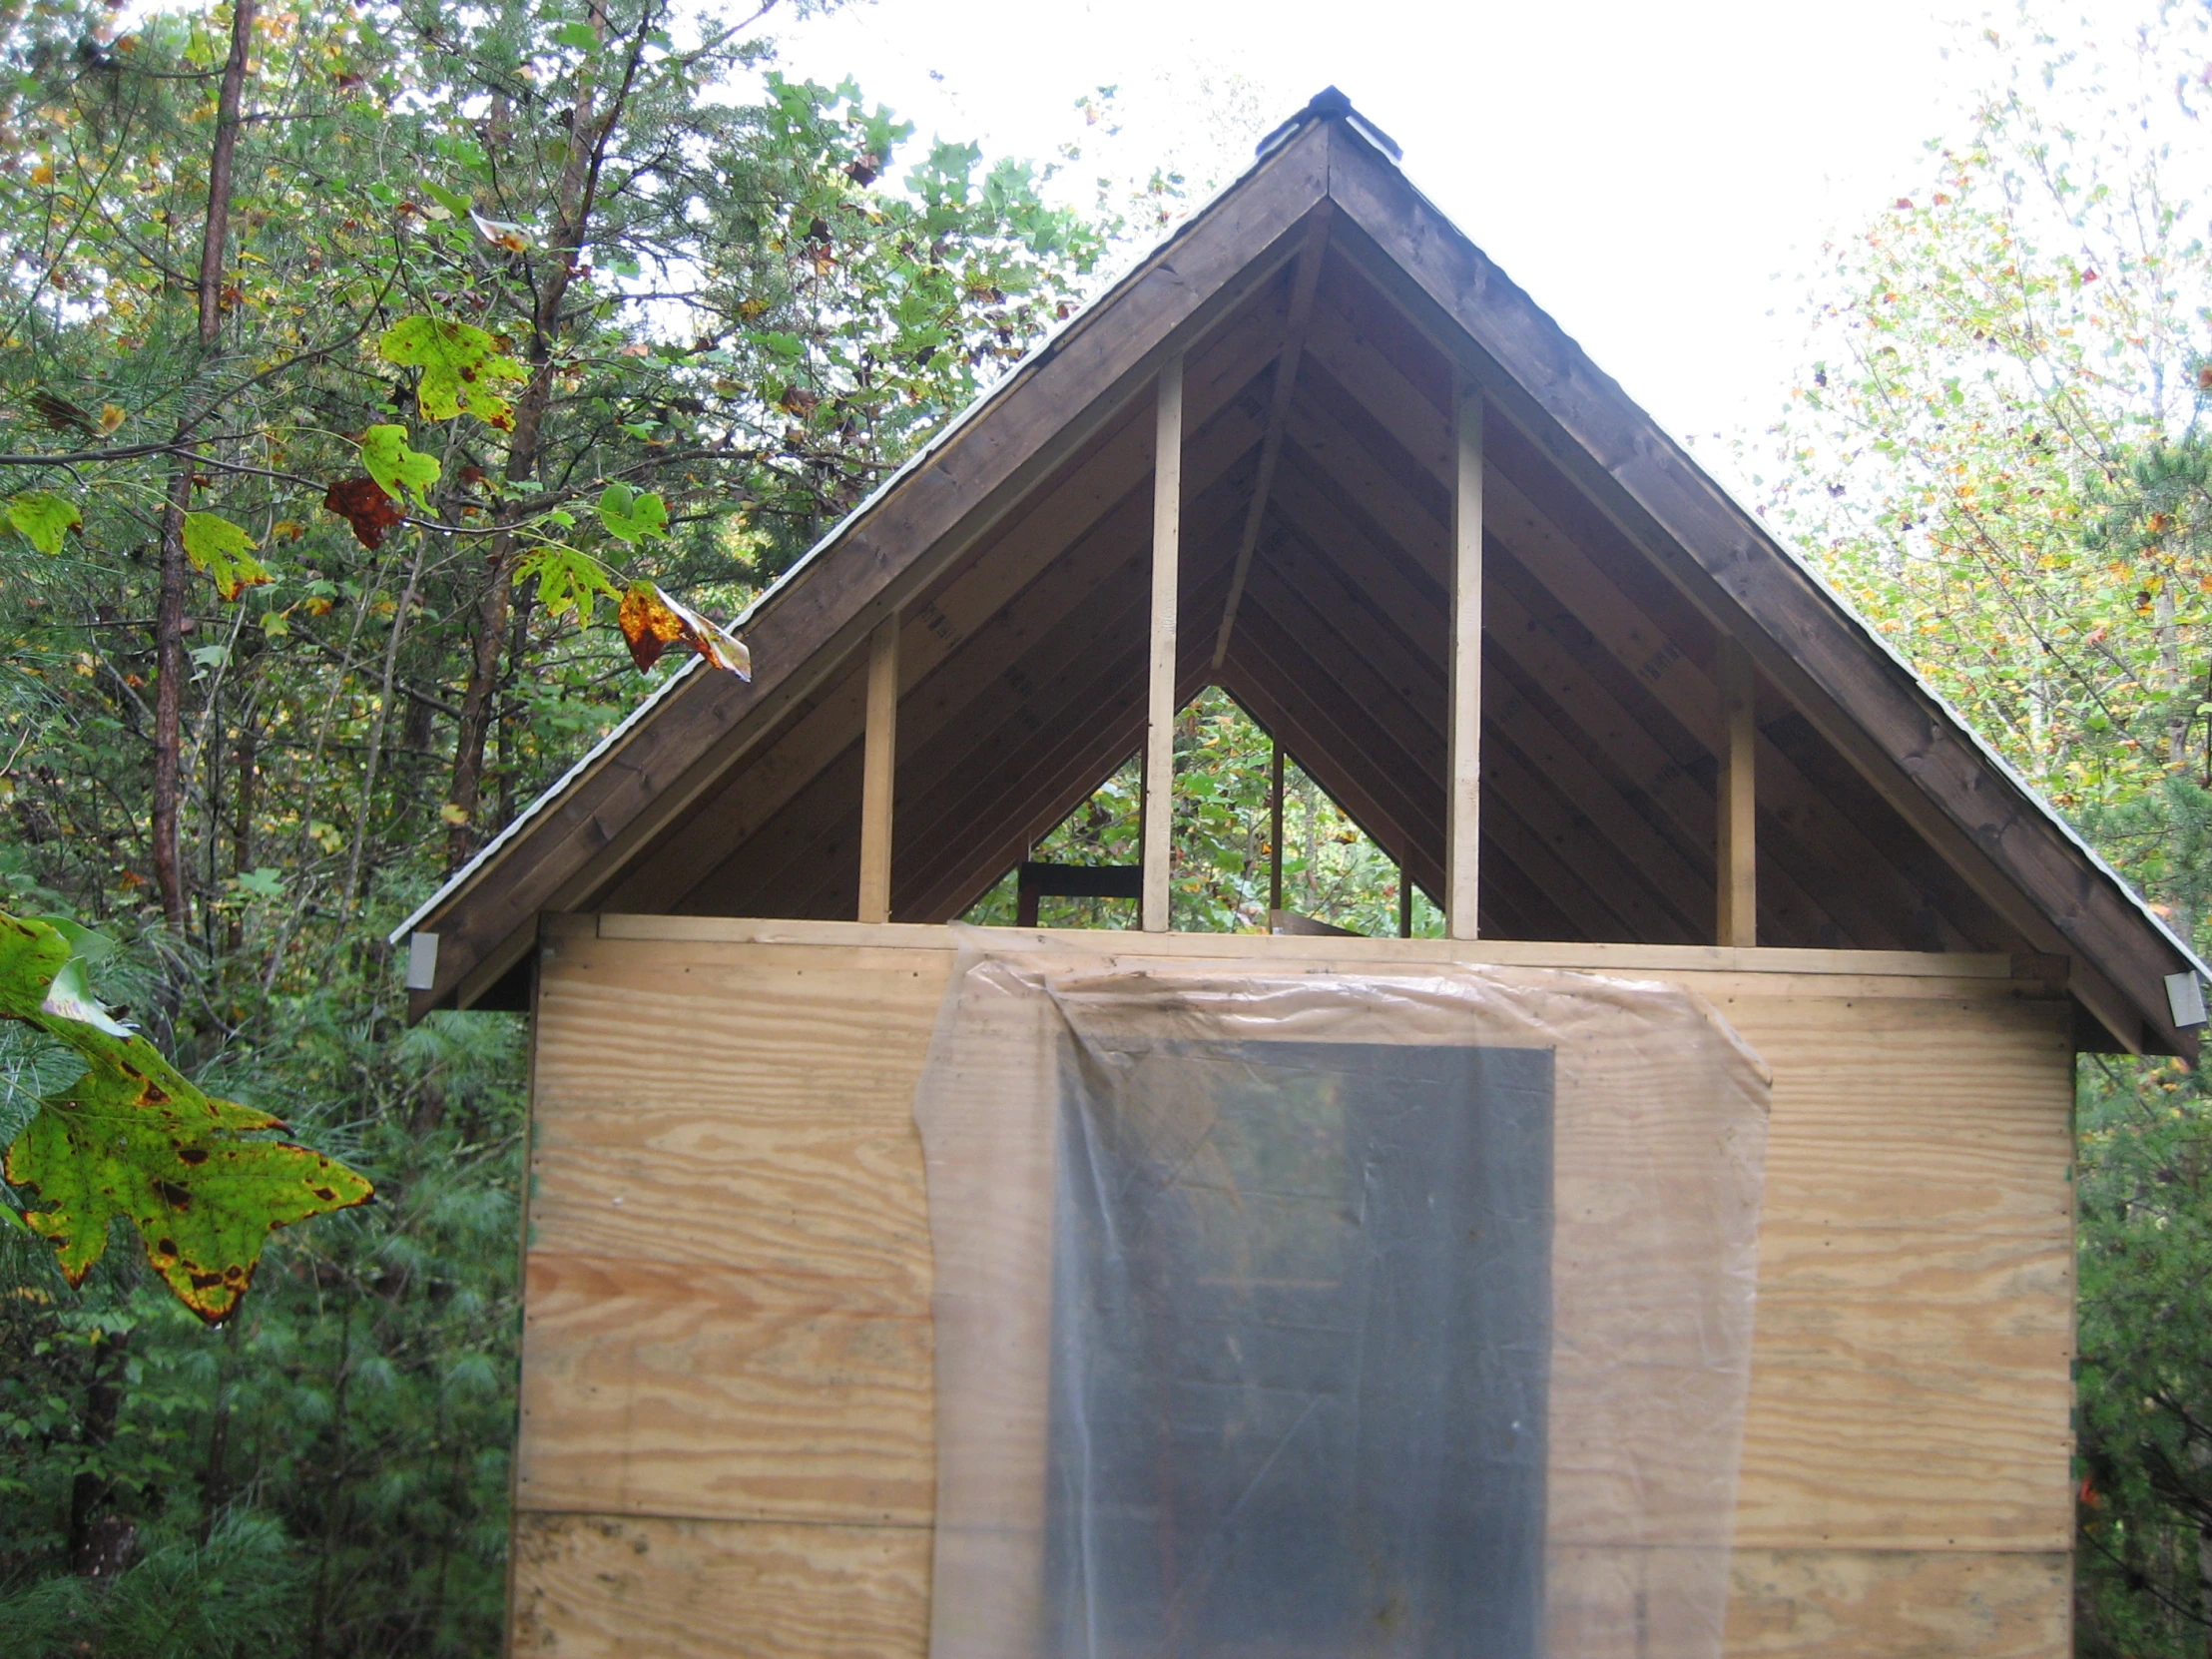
(1275, 830)
(1737, 861)
(1463, 780)
(878, 765)
(1159, 736)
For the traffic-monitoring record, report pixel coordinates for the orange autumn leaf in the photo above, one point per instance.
(651, 622)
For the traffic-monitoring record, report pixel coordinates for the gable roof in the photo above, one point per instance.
(1324, 179)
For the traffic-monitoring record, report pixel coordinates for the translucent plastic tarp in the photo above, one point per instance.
(1346, 1314)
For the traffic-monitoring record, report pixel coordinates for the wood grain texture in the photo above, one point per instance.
(744, 1342)
(1158, 819)
(624, 1588)
(1898, 1604)
(878, 767)
(653, 1388)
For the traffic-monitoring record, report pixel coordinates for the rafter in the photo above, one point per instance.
(1305, 280)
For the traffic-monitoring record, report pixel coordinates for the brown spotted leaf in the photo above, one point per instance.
(651, 622)
(364, 504)
(131, 1136)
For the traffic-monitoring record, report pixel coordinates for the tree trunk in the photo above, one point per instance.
(169, 701)
(100, 1544)
(168, 619)
(589, 132)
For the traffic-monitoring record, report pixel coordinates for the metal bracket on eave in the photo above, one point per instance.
(2185, 999)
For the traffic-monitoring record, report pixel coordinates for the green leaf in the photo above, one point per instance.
(567, 579)
(131, 1136)
(580, 37)
(631, 516)
(219, 547)
(43, 518)
(461, 368)
(453, 201)
(389, 461)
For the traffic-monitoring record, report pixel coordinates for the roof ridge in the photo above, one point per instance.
(1330, 103)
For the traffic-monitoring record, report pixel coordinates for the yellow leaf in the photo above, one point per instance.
(111, 416)
(42, 173)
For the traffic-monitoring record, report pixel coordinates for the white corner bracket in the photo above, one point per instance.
(422, 964)
(2185, 999)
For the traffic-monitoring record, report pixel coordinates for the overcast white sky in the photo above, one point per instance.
(1660, 178)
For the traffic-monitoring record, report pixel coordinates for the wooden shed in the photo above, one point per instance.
(1319, 451)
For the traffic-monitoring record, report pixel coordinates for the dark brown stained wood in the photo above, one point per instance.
(1536, 623)
(1657, 903)
(1341, 604)
(1344, 739)
(1305, 277)
(1613, 547)
(972, 596)
(967, 661)
(1397, 396)
(1516, 905)
(1070, 697)
(995, 805)
(1661, 789)
(1314, 603)
(1573, 886)
(1065, 700)
(1043, 413)
(1463, 733)
(1232, 364)
(1855, 692)
(1362, 462)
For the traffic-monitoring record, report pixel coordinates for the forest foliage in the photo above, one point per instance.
(384, 387)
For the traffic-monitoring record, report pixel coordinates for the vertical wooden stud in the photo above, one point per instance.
(1159, 736)
(1404, 903)
(879, 764)
(1737, 860)
(1275, 830)
(1464, 778)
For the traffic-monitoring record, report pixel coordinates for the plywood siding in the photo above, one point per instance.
(727, 1370)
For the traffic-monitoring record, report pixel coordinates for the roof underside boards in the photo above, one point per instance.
(1018, 555)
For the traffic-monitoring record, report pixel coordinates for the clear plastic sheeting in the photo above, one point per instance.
(1345, 1315)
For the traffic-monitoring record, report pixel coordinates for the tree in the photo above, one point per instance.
(530, 321)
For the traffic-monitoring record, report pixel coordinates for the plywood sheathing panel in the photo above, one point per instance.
(734, 1357)
(649, 1587)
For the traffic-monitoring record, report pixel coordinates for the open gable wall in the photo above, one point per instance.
(1023, 674)
(1017, 554)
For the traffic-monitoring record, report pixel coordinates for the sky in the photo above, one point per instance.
(1661, 178)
